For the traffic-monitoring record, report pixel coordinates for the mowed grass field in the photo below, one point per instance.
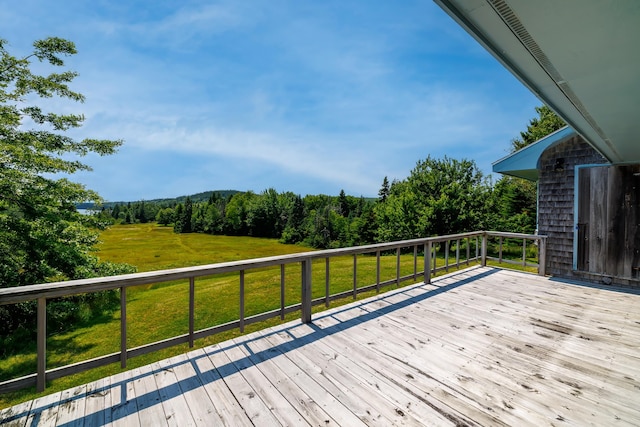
(160, 311)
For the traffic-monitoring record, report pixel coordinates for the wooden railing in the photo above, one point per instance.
(428, 247)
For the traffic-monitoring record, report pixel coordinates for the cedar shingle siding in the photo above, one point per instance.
(556, 199)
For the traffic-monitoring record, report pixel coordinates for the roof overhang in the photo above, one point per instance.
(580, 57)
(524, 162)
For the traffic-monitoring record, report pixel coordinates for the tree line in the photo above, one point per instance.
(440, 196)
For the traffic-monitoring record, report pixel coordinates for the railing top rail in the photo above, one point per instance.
(71, 287)
(515, 235)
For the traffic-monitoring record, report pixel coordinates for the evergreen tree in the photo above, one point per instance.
(142, 215)
(344, 203)
(384, 191)
(187, 214)
(115, 211)
(178, 225)
(539, 127)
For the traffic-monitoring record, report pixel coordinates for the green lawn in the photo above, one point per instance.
(160, 311)
(156, 312)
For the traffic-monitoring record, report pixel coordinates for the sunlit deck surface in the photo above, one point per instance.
(479, 347)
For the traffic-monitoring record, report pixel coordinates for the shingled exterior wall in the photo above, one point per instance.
(556, 200)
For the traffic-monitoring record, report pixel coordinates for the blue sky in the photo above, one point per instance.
(297, 95)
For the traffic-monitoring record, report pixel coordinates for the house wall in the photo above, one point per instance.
(556, 200)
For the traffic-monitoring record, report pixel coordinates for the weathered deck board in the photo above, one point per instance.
(477, 347)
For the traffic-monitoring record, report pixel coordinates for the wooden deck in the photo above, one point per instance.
(481, 347)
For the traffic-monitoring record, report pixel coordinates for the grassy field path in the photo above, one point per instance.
(152, 247)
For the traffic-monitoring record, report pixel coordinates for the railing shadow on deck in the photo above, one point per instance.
(220, 372)
(453, 247)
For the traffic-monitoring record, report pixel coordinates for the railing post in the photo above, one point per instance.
(542, 256)
(524, 252)
(306, 291)
(41, 380)
(484, 249)
(123, 327)
(427, 262)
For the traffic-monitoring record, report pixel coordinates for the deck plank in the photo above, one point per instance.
(282, 409)
(71, 407)
(243, 392)
(397, 358)
(124, 406)
(174, 403)
(203, 410)
(16, 416)
(44, 410)
(228, 408)
(150, 409)
(293, 384)
(332, 380)
(97, 410)
(381, 390)
(477, 347)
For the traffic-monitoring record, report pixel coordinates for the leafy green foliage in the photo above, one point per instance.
(43, 238)
(515, 198)
(514, 205)
(440, 196)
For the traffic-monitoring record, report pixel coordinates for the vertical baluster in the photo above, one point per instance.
(306, 291)
(524, 252)
(484, 250)
(326, 282)
(446, 256)
(41, 380)
(468, 249)
(355, 276)
(241, 300)
(123, 327)
(192, 308)
(435, 259)
(458, 254)
(415, 263)
(542, 256)
(378, 271)
(427, 262)
(282, 282)
(398, 267)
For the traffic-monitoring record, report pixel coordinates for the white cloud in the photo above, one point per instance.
(321, 94)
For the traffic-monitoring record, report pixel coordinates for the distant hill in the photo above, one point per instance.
(198, 197)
